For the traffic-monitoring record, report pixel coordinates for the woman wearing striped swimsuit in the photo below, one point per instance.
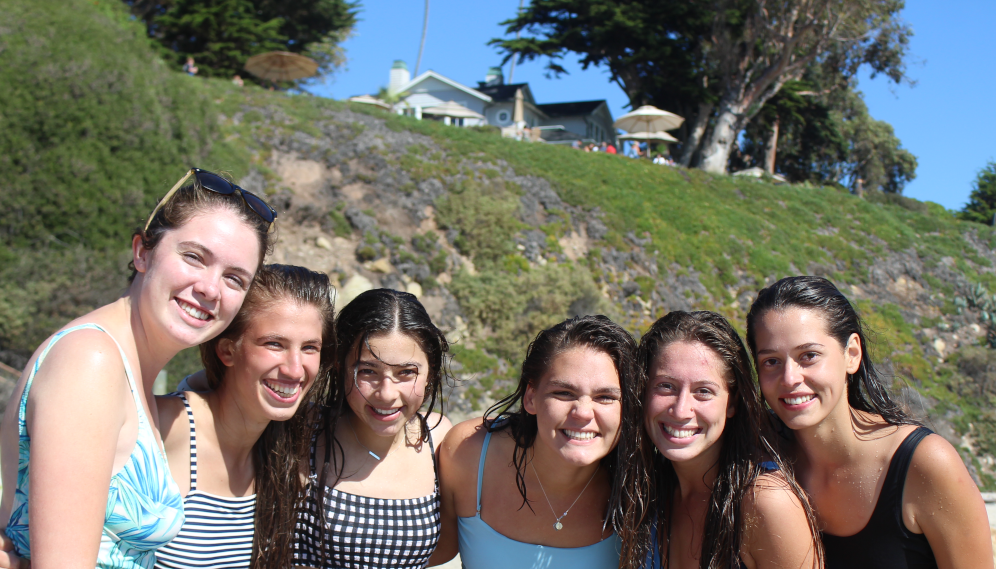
(373, 500)
(243, 440)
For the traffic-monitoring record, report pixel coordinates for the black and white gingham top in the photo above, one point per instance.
(217, 531)
(366, 533)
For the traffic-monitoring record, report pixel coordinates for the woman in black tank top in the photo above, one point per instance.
(886, 493)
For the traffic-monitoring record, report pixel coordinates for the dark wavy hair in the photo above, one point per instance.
(593, 332)
(866, 390)
(746, 444)
(187, 202)
(378, 311)
(278, 453)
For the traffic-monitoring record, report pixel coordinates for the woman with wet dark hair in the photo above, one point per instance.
(552, 444)
(373, 498)
(706, 489)
(886, 491)
(82, 447)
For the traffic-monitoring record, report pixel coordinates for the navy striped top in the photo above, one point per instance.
(217, 531)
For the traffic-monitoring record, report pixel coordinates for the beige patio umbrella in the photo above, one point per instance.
(648, 137)
(281, 66)
(648, 119)
(452, 109)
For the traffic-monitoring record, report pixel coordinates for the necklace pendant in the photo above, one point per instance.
(558, 526)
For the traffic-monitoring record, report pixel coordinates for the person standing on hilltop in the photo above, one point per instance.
(887, 493)
(189, 67)
(554, 443)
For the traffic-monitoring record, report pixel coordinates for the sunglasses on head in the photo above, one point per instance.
(211, 182)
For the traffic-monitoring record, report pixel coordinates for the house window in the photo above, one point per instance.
(503, 116)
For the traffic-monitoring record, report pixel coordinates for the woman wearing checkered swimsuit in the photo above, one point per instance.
(373, 500)
(368, 533)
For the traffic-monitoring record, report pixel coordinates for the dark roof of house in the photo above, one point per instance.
(500, 93)
(568, 109)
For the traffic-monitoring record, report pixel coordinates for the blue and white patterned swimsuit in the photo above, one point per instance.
(144, 506)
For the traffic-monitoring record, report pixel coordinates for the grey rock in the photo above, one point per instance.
(360, 220)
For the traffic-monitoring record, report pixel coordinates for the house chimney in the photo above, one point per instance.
(399, 77)
(494, 77)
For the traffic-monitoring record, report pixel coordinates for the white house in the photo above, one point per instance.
(510, 107)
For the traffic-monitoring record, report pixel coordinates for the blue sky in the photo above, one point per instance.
(947, 119)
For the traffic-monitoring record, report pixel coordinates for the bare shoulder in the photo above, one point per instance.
(936, 469)
(86, 364)
(172, 420)
(461, 448)
(772, 499)
(439, 426)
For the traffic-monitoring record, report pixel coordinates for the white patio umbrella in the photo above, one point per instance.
(452, 109)
(369, 100)
(648, 137)
(648, 119)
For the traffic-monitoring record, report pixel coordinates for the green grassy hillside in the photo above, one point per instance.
(94, 128)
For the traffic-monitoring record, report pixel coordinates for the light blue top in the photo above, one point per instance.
(481, 547)
(144, 506)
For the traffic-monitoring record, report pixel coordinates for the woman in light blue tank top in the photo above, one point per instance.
(536, 487)
(85, 432)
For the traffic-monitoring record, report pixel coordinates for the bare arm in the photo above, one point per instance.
(76, 411)
(457, 477)
(777, 535)
(942, 501)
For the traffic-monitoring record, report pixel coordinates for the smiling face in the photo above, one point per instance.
(194, 281)
(578, 406)
(274, 363)
(801, 368)
(687, 402)
(385, 386)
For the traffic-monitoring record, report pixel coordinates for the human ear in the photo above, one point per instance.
(139, 254)
(529, 399)
(226, 352)
(852, 353)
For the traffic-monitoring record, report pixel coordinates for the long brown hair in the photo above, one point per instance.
(747, 444)
(593, 332)
(280, 450)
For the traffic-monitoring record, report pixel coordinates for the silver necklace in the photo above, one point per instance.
(372, 453)
(557, 525)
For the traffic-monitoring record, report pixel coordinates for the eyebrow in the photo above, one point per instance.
(799, 347)
(559, 383)
(694, 381)
(270, 337)
(248, 275)
(378, 363)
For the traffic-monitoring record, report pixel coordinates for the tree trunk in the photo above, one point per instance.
(771, 149)
(716, 151)
(691, 144)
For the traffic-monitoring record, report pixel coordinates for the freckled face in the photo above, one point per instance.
(687, 402)
(194, 281)
(578, 406)
(801, 368)
(274, 363)
(388, 387)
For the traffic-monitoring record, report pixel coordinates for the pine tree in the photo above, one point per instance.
(981, 206)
